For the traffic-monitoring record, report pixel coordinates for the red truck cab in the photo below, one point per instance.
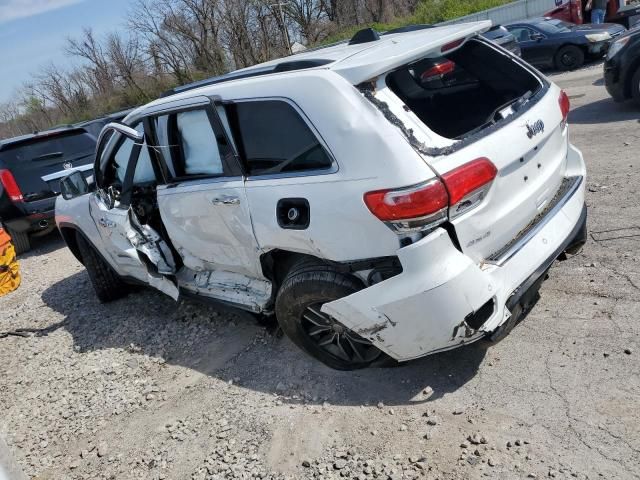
(575, 11)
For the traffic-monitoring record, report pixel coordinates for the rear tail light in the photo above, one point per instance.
(468, 185)
(11, 186)
(410, 209)
(425, 206)
(565, 106)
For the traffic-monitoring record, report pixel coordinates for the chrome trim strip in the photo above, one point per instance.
(64, 173)
(516, 247)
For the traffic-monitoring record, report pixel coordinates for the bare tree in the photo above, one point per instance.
(175, 42)
(90, 49)
(126, 57)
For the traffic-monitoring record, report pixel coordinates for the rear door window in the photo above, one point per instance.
(198, 143)
(193, 144)
(274, 138)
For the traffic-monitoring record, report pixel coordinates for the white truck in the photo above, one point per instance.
(389, 197)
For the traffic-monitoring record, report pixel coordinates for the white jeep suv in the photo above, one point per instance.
(393, 196)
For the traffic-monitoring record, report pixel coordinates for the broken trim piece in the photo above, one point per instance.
(147, 241)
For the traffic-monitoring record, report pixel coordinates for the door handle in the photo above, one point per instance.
(225, 200)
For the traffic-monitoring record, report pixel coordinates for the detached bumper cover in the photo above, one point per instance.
(423, 309)
(599, 48)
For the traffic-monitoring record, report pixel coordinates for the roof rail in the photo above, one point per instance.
(286, 66)
(409, 28)
(364, 36)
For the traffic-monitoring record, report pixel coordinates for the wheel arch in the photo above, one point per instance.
(276, 264)
(69, 232)
(635, 65)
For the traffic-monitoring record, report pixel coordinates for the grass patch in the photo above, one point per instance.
(427, 11)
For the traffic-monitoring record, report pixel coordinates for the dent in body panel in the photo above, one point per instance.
(146, 240)
(149, 247)
(241, 290)
(414, 313)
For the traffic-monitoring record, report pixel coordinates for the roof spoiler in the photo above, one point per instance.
(365, 35)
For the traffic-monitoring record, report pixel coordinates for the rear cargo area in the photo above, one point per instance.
(459, 93)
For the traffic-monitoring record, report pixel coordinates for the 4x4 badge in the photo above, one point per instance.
(534, 128)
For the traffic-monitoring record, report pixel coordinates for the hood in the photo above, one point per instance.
(611, 28)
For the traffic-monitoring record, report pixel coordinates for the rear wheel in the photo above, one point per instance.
(304, 290)
(569, 57)
(20, 241)
(635, 86)
(106, 283)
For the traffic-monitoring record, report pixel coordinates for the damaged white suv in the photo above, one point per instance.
(393, 196)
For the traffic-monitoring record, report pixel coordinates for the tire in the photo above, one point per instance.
(569, 57)
(635, 86)
(106, 283)
(307, 286)
(20, 241)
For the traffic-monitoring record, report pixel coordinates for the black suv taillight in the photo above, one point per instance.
(11, 186)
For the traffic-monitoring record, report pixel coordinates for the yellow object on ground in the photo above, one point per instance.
(9, 269)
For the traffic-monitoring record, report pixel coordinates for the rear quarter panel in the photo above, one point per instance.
(369, 153)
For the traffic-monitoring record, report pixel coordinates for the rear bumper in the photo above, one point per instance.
(442, 299)
(34, 222)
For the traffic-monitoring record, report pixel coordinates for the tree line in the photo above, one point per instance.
(173, 42)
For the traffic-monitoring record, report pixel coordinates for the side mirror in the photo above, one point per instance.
(74, 185)
(537, 37)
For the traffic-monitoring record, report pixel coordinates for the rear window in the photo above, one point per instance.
(66, 146)
(461, 93)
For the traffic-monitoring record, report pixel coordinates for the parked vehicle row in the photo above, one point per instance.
(622, 68)
(379, 209)
(553, 43)
(625, 13)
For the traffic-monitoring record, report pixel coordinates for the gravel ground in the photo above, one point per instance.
(146, 388)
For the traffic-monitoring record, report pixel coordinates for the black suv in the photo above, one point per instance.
(31, 167)
(622, 67)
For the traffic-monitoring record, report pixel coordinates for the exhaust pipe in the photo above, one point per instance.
(43, 223)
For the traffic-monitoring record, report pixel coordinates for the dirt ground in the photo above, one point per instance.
(146, 388)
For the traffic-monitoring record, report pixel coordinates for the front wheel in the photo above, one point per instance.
(298, 309)
(569, 57)
(107, 284)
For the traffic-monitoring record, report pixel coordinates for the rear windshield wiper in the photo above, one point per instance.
(509, 108)
(514, 105)
(521, 101)
(48, 156)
